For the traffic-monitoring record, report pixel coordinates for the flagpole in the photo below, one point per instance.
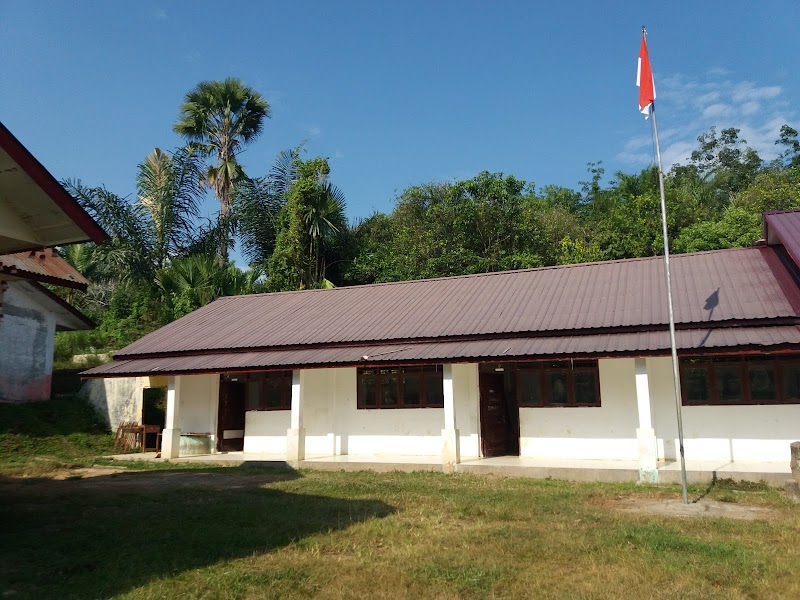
(668, 277)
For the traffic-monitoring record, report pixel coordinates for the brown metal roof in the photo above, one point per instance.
(42, 265)
(648, 342)
(735, 286)
(783, 227)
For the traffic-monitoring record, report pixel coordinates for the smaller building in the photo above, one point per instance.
(30, 314)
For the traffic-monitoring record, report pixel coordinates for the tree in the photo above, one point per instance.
(790, 157)
(258, 203)
(217, 119)
(314, 212)
(168, 190)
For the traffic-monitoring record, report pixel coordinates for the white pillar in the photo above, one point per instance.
(171, 436)
(645, 434)
(296, 434)
(451, 454)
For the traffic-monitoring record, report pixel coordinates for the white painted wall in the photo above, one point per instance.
(604, 432)
(27, 338)
(467, 404)
(265, 431)
(199, 395)
(720, 433)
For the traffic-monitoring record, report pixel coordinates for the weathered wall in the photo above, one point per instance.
(27, 337)
(119, 399)
(604, 432)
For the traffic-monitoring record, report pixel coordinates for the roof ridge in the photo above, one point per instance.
(486, 274)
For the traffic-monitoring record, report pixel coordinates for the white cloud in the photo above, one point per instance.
(160, 14)
(690, 106)
(313, 131)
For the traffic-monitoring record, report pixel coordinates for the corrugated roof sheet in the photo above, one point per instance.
(727, 285)
(43, 265)
(784, 227)
(689, 341)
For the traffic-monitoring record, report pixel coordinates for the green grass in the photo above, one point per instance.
(158, 530)
(36, 437)
(254, 533)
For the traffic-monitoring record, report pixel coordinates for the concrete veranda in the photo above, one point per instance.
(617, 471)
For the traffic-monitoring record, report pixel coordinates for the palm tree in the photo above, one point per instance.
(218, 118)
(168, 190)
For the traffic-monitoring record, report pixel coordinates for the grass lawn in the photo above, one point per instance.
(169, 531)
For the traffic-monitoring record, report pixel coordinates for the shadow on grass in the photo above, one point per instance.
(106, 535)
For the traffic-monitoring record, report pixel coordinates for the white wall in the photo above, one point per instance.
(604, 432)
(199, 396)
(720, 433)
(265, 431)
(27, 338)
(467, 405)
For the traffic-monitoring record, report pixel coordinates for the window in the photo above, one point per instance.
(267, 391)
(740, 380)
(562, 383)
(401, 387)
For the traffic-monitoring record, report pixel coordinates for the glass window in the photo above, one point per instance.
(273, 392)
(434, 389)
(791, 382)
(762, 383)
(696, 384)
(585, 388)
(411, 389)
(557, 388)
(399, 387)
(729, 383)
(530, 388)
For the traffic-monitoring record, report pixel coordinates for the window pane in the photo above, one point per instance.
(729, 383)
(411, 389)
(557, 388)
(762, 383)
(791, 383)
(389, 390)
(253, 395)
(367, 389)
(585, 388)
(434, 389)
(530, 388)
(273, 392)
(695, 380)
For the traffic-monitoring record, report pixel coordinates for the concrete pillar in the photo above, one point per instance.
(171, 436)
(793, 484)
(296, 434)
(645, 434)
(451, 453)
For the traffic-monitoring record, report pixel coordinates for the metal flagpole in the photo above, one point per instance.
(675, 373)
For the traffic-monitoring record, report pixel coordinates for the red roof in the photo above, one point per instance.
(725, 286)
(783, 227)
(42, 265)
(694, 341)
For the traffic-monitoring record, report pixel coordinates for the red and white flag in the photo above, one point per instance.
(644, 79)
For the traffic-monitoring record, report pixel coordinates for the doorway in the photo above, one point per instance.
(499, 423)
(230, 419)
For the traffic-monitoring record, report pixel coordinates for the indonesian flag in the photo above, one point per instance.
(644, 79)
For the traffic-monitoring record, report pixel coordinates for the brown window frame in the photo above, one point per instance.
(401, 373)
(569, 368)
(744, 364)
(284, 379)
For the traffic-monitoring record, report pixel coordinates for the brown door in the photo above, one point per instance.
(494, 419)
(230, 420)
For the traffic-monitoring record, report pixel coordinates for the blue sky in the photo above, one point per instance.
(398, 93)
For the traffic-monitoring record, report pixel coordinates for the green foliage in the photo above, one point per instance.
(736, 228)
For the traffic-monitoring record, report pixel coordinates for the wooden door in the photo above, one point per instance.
(494, 419)
(230, 419)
